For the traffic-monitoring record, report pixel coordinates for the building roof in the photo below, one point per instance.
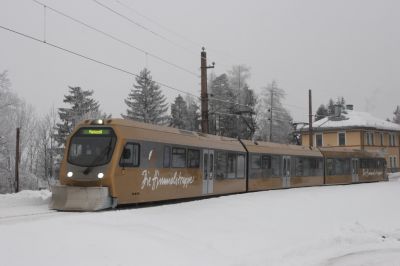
(353, 119)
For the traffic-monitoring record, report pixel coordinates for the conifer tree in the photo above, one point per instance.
(145, 102)
(82, 106)
(222, 108)
(179, 113)
(321, 113)
(193, 114)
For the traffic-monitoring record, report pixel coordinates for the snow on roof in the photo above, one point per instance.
(350, 118)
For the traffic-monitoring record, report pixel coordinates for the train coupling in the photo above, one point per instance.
(70, 198)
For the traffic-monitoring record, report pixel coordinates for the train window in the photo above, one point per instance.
(193, 158)
(315, 167)
(266, 162)
(220, 165)
(130, 155)
(342, 166)
(179, 157)
(240, 166)
(329, 166)
(276, 165)
(255, 161)
(299, 166)
(167, 156)
(231, 165)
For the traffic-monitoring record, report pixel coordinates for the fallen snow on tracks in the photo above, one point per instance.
(333, 226)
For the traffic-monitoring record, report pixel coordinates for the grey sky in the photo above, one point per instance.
(336, 48)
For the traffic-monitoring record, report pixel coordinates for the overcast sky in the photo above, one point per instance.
(335, 48)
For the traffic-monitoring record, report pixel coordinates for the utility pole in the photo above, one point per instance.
(17, 162)
(204, 93)
(310, 127)
(270, 116)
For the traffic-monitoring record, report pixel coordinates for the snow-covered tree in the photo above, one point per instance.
(145, 102)
(179, 113)
(193, 114)
(322, 112)
(281, 119)
(222, 108)
(246, 101)
(81, 106)
(15, 113)
(396, 118)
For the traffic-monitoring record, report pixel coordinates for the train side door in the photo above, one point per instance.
(355, 165)
(286, 171)
(208, 171)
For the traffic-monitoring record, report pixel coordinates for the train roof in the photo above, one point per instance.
(170, 135)
(280, 149)
(343, 152)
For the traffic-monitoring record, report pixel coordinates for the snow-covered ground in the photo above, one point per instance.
(335, 225)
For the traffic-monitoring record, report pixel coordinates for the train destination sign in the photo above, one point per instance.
(96, 131)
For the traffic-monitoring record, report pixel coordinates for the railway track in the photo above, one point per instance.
(29, 217)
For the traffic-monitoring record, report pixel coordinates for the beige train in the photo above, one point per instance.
(115, 161)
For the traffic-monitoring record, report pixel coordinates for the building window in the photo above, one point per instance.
(382, 139)
(342, 138)
(369, 138)
(318, 140)
(392, 139)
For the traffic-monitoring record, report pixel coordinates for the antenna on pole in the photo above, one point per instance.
(204, 93)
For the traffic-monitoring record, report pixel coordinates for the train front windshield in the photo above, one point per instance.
(91, 147)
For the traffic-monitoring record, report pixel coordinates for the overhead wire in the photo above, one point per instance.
(181, 36)
(91, 59)
(142, 26)
(115, 38)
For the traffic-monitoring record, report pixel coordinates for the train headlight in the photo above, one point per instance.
(100, 175)
(70, 174)
(98, 122)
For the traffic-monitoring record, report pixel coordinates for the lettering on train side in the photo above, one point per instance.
(373, 172)
(154, 180)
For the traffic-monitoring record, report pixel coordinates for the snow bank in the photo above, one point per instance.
(24, 202)
(335, 225)
(394, 176)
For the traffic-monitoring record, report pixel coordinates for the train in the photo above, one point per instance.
(115, 162)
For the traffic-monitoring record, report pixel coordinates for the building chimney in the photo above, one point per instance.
(338, 110)
(349, 107)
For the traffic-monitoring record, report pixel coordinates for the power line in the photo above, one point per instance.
(91, 59)
(181, 36)
(105, 64)
(114, 38)
(158, 24)
(141, 26)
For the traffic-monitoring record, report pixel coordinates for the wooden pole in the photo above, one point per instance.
(17, 156)
(204, 93)
(310, 127)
